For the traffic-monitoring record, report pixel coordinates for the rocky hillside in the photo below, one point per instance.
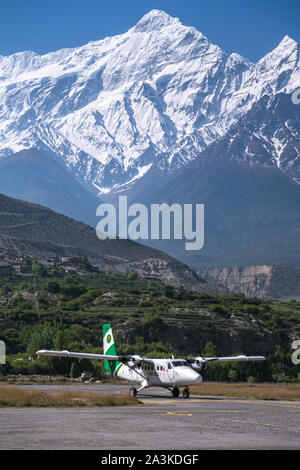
(277, 282)
(30, 230)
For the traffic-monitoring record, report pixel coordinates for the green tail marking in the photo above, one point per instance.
(111, 367)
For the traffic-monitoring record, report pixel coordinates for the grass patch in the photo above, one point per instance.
(17, 397)
(261, 391)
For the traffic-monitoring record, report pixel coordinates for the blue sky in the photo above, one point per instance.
(251, 28)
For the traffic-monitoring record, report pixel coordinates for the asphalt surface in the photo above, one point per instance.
(162, 423)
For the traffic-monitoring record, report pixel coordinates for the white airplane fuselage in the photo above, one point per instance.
(160, 372)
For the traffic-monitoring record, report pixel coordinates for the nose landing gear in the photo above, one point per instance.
(175, 392)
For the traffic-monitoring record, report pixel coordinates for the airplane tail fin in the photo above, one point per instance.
(110, 367)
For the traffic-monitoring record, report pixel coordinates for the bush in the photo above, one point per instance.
(232, 375)
(133, 276)
(43, 301)
(21, 303)
(251, 379)
(53, 287)
(73, 290)
(72, 305)
(23, 367)
(145, 303)
(38, 269)
(5, 289)
(169, 291)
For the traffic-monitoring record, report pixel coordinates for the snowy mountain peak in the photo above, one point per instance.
(155, 96)
(287, 47)
(155, 20)
(287, 42)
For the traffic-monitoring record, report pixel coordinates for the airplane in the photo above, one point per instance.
(171, 374)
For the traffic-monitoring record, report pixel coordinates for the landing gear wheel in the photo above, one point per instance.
(133, 391)
(186, 393)
(175, 392)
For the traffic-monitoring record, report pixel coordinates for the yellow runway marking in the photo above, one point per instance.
(179, 413)
(209, 414)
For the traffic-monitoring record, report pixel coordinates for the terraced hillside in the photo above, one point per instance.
(67, 311)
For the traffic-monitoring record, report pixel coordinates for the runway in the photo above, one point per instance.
(162, 423)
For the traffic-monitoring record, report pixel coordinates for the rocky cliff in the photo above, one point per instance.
(277, 282)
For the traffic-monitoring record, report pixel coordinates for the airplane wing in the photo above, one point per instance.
(99, 357)
(44, 352)
(205, 360)
(234, 358)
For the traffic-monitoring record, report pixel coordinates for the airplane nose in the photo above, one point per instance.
(192, 376)
(197, 377)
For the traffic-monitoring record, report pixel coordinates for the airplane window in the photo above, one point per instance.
(177, 363)
(169, 365)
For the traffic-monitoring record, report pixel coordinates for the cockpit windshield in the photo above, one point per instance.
(179, 363)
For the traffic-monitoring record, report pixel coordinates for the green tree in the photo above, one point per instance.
(73, 290)
(75, 370)
(52, 286)
(60, 341)
(232, 375)
(210, 350)
(38, 269)
(40, 337)
(133, 276)
(169, 291)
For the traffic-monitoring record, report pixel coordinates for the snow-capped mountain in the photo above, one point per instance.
(158, 95)
(248, 181)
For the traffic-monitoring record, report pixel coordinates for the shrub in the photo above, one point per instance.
(75, 370)
(169, 291)
(72, 305)
(133, 276)
(232, 375)
(251, 379)
(73, 290)
(52, 286)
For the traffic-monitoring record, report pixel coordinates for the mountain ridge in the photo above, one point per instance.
(32, 230)
(160, 110)
(161, 92)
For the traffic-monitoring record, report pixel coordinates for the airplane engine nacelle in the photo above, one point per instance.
(197, 363)
(197, 366)
(131, 364)
(135, 361)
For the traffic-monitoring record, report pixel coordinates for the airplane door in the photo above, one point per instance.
(164, 373)
(170, 371)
